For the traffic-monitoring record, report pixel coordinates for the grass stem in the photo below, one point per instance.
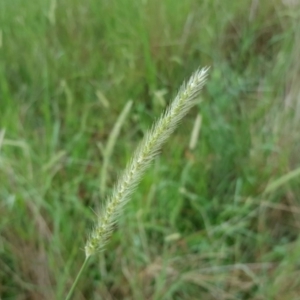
(77, 278)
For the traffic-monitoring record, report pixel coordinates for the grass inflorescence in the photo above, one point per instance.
(142, 158)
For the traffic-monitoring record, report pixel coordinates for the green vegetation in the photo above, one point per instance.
(219, 220)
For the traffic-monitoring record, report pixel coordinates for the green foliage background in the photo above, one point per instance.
(220, 221)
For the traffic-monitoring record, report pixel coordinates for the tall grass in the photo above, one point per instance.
(139, 163)
(218, 221)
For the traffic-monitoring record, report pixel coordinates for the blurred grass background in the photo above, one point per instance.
(219, 220)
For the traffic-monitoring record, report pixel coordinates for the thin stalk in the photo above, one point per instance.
(77, 278)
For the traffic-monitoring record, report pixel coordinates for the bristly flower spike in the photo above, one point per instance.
(143, 156)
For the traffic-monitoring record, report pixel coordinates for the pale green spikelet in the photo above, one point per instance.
(142, 158)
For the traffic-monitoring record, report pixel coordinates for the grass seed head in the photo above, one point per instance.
(143, 156)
